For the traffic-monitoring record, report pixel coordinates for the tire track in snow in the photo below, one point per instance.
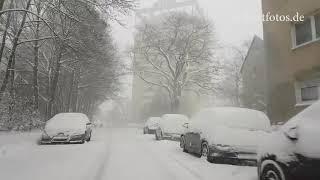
(159, 160)
(194, 173)
(173, 164)
(103, 162)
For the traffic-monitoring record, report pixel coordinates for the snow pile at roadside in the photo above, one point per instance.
(173, 123)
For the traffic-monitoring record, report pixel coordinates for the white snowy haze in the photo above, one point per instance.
(235, 21)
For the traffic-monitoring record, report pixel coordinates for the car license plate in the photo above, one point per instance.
(247, 156)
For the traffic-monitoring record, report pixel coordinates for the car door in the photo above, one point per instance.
(195, 142)
(188, 138)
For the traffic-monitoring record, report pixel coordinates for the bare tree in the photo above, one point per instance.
(231, 86)
(58, 55)
(175, 53)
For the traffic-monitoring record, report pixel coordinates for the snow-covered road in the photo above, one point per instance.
(113, 154)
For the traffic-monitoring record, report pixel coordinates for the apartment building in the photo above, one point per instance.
(253, 73)
(292, 57)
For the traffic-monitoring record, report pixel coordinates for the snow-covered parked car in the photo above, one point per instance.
(67, 128)
(171, 126)
(225, 134)
(151, 125)
(293, 152)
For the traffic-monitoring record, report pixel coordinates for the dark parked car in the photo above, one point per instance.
(67, 128)
(293, 152)
(192, 142)
(225, 134)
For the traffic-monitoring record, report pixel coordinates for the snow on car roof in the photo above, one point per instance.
(232, 117)
(67, 120)
(177, 117)
(152, 121)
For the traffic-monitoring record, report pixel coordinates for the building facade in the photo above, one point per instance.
(292, 56)
(253, 74)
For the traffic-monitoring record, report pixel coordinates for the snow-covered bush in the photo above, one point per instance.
(19, 116)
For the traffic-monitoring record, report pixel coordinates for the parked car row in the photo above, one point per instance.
(238, 135)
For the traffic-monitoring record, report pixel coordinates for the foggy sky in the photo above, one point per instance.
(234, 20)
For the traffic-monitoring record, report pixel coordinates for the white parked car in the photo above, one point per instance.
(225, 134)
(171, 126)
(67, 128)
(151, 125)
(293, 152)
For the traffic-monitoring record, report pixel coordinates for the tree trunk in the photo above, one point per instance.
(68, 109)
(4, 36)
(36, 61)
(1, 4)
(10, 66)
(175, 101)
(54, 82)
(12, 91)
(75, 94)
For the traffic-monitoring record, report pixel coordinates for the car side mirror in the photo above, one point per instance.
(292, 133)
(89, 124)
(186, 125)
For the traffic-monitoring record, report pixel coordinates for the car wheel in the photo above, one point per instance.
(210, 159)
(270, 170)
(158, 135)
(89, 138)
(204, 149)
(183, 144)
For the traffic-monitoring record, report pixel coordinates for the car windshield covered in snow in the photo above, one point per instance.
(173, 123)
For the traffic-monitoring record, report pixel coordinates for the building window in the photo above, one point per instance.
(303, 32)
(309, 93)
(317, 24)
(306, 31)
